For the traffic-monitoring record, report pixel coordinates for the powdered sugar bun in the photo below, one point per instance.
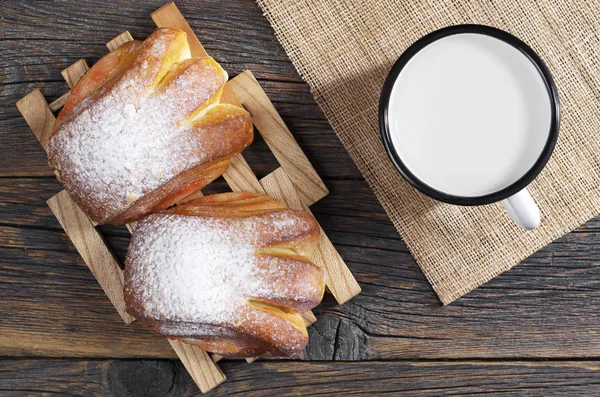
(144, 123)
(231, 276)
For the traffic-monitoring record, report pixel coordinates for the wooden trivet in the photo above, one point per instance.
(295, 182)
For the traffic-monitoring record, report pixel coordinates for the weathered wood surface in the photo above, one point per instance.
(546, 307)
(161, 378)
(52, 306)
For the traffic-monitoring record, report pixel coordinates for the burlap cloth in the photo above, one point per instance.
(345, 48)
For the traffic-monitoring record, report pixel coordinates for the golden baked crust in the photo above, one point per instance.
(229, 273)
(144, 127)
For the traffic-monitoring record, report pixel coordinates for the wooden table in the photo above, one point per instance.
(533, 330)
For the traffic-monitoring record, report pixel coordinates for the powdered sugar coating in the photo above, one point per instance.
(198, 269)
(191, 269)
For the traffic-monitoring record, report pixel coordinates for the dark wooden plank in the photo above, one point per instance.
(52, 306)
(168, 378)
(546, 307)
(34, 54)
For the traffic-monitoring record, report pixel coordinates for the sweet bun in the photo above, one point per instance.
(144, 127)
(230, 273)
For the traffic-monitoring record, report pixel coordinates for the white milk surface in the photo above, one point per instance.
(469, 114)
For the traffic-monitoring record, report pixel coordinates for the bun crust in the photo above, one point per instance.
(230, 273)
(143, 125)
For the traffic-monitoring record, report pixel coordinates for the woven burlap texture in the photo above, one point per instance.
(344, 50)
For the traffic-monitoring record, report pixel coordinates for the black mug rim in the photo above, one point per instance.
(507, 191)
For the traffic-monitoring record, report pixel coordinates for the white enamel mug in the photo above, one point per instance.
(469, 115)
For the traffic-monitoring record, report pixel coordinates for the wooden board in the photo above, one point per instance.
(119, 40)
(265, 379)
(58, 103)
(73, 73)
(169, 16)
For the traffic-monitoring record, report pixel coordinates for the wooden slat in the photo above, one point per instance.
(309, 318)
(92, 249)
(37, 114)
(240, 177)
(206, 374)
(119, 41)
(279, 138)
(60, 102)
(131, 226)
(170, 16)
(73, 73)
(193, 196)
(340, 280)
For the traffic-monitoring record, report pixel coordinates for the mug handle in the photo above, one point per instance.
(523, 210)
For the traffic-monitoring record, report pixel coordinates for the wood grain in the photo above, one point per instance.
(279, 138)
(240, 177)
(309, 318)
(73, 316)
(263, 378)
(339, 279)
(93, 250)
(73, 73)
(37, 114)
(58, 103)
(205, 373)
(119, 40)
